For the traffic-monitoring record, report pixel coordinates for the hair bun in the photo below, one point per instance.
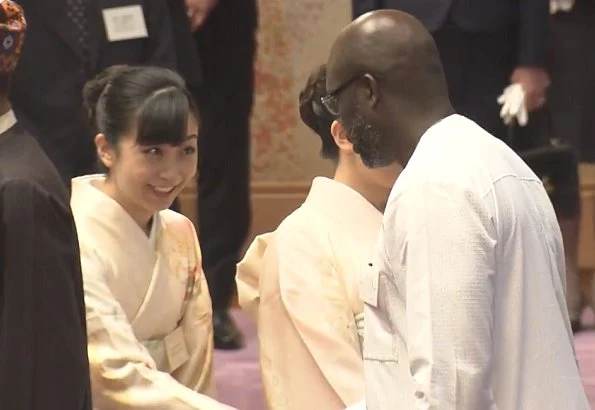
(312, 111)
(93, 89)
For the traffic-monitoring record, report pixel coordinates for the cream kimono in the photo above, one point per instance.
(149, 326)
(301, 283)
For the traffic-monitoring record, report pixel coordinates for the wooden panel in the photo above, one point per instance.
(587, 228)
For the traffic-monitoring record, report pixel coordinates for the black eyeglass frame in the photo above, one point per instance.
(331, 100)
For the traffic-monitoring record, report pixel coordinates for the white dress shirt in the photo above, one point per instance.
(465, 305)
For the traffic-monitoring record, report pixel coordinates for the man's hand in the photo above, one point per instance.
(198, 11)
(535, 82)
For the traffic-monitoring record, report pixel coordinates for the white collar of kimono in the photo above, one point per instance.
(341, 202)
(95, 203)
(7, 121)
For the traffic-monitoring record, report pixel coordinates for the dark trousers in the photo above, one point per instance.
(478, 67)
(572, 68)
(226, 46)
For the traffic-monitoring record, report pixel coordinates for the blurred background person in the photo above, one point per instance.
(571, 103)
(225, 38)
(68, 43)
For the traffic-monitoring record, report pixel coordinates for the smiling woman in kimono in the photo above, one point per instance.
(301, 281)
(147, 303)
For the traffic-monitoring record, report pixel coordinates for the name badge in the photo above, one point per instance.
(175, 348)
(369, 285)
(125, 23)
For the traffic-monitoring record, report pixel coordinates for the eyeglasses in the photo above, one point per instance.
(331, 101)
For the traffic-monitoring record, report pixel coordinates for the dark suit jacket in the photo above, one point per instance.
(43, 336)
(48, 82)
(479, 16)
(187, 58)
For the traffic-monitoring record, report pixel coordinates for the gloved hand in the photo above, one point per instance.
(561, 5)
(513, 105)
(357, 406)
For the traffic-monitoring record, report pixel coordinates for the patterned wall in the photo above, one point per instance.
(294, 36)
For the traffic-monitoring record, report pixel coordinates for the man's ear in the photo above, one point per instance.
(369, 92)
(339, 133)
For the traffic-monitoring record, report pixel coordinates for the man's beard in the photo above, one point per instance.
(372, 144)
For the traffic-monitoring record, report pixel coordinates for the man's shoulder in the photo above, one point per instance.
(24, 166)
(25, 192)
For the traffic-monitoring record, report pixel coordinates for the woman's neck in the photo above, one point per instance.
(140, 216)
(374, 194)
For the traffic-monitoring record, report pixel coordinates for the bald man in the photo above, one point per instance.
(464, 303)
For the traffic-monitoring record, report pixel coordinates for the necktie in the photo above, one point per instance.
(77, 14)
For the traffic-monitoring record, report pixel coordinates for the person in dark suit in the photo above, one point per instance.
(225, 38)
(43, 336)
(485, 45)
(572, 104)
(69, 42)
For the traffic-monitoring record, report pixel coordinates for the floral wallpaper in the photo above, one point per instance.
(294, 37)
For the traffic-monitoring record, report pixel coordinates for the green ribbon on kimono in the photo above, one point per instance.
(359, 324)
(156, 348)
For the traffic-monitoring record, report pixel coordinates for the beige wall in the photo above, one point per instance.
(294, 37)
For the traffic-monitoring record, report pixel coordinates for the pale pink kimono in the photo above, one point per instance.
(301, 284)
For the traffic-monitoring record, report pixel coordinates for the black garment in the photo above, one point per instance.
(478, 68)
(226, 46)
(572, 68)
(187, 58)
(479, 16)
(43, 337)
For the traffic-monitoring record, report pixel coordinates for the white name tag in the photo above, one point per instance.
(125, 23)
(175, 348)
(369, 285)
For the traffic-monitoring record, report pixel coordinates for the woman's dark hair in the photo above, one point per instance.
(315, 115)
(153, 99)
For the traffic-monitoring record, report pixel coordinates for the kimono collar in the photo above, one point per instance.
(341, 203)
(7, 121)
(92, 205)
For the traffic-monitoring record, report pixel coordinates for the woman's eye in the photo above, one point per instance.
(189, 150)
(153, 151)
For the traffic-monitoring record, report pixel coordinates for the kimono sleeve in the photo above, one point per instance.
(42, 326)
(197, 324)
(248, 272)
(123, 373)
(320, 312)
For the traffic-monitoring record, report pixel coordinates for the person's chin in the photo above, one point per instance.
(163, 198)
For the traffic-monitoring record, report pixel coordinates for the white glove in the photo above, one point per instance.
(561, 5)
(513, 105)
(357, 406)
